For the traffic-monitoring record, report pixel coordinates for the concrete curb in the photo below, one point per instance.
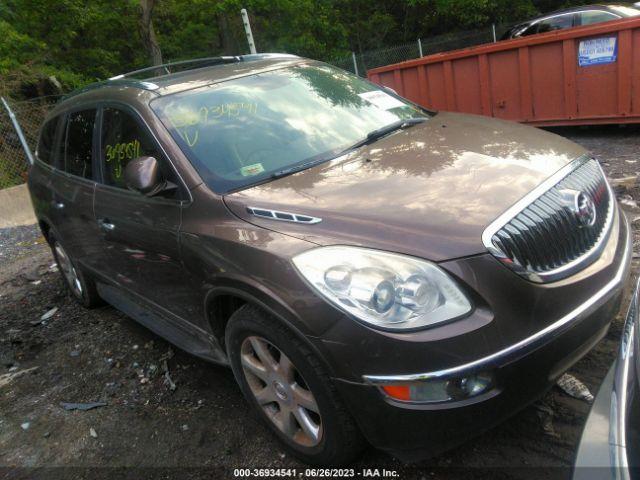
(15, 207)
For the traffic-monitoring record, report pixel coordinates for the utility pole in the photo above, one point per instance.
(247, 30)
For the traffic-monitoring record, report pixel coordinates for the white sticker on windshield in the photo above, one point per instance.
(381, 100)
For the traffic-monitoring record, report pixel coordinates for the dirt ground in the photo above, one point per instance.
(203, 428)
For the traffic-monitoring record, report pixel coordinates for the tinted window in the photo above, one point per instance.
(79, 143)
(532, 30)
(589, 18)
(241, 132)
(44, 151)
(555, 23)
(123, 139)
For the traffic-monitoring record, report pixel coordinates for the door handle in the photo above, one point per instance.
(106, 225)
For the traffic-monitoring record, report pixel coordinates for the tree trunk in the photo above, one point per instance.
(226, 39)
(147, 33)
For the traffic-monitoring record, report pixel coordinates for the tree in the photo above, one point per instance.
(81, 41)
(147, 32)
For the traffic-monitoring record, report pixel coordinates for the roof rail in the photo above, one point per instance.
(166, 66)
(202, 62)
(123, 79)
(120, 81)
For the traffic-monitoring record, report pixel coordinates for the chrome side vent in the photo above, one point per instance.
(283, 216)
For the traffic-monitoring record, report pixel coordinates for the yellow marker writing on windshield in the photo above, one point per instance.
(188, 124)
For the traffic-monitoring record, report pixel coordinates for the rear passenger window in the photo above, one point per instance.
(79, 143)
(123, 139)
(555, 23)
(593, 16)
(44, 151)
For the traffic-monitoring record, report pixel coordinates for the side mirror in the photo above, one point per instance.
(143, 175)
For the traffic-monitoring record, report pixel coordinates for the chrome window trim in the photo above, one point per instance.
(523, 347)
(568, 268)
(549, 17)
(578, 12)
(538, 20)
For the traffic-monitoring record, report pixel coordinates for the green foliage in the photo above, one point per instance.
(80, 41)
(467, 13)
(16, 48)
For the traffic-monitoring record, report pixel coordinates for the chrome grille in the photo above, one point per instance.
(552, 232)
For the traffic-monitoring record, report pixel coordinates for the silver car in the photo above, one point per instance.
(610, 443)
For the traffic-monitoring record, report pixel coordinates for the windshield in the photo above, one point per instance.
(243, 131)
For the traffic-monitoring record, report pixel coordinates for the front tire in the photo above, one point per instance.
(289, 389)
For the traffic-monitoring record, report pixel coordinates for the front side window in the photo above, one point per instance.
(593, 16)
(530, 30)
(78, 153)
(555, 23)
(45, 148)
(240, 132)
(124, 139)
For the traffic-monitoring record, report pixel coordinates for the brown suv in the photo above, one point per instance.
(368, 269)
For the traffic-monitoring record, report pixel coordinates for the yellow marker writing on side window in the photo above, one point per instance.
(119, 153)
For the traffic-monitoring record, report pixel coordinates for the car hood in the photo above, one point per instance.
(428, 191)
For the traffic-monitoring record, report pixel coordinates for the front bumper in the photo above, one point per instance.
(608, 446)
(522, 372)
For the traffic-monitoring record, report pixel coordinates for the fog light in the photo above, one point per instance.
(469, 386)
(434, 391)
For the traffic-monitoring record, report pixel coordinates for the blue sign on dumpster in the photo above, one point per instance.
(598, 51)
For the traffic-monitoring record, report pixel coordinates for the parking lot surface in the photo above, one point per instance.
(161, 408)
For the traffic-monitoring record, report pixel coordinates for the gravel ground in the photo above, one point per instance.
(18, 242)
(203, 428)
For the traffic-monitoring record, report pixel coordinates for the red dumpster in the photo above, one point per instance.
(579, 76)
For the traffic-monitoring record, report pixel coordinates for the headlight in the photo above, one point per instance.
(386, 290)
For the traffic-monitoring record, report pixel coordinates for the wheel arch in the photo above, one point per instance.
(45, 228)
(221, 302)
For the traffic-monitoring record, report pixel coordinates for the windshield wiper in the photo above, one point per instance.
(371, 137)
(298, 168)
(386, 130)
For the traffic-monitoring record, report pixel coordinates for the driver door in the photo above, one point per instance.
(140, 247)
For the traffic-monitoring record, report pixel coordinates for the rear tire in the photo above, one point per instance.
(290, 390)
(80, 285)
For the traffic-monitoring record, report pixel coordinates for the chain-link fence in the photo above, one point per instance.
(360, 63)
(13, 161)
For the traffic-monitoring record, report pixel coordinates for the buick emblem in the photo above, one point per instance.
(582, 206)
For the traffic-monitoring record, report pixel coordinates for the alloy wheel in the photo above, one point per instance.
(280, 390)
(68, 270)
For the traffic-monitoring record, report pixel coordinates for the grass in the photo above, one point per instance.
(12, 169)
